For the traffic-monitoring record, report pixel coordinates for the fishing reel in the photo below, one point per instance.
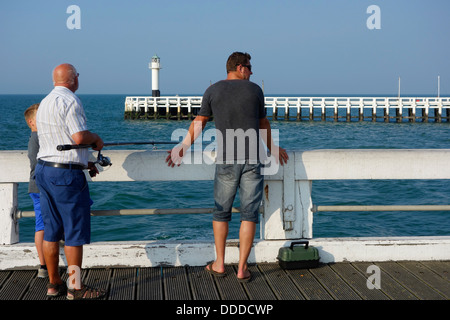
(102, 160)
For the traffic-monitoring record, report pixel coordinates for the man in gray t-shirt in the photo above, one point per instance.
(238, 107)
(239, 114)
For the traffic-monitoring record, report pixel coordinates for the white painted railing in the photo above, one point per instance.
(287, 210)
(403, 108)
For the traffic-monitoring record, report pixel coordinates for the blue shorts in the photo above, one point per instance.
(37, 211)
(65, 205)
(249, 180)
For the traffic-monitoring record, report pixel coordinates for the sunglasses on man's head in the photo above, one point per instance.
(249, 66)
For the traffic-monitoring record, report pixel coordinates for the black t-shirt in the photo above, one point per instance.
(237, 106)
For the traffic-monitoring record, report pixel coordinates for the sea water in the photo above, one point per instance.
(105, 116)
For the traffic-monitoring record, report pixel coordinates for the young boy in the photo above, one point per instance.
(33, 148)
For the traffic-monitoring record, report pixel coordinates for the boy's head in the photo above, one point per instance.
(30, 116)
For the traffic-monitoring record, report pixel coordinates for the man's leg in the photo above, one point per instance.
(38, 241)
(220, 229)
(250, 195)
(246, 236)
(74, 256)
(225, 187)
(51, 256)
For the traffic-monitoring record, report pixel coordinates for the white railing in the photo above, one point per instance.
(403, 108)
(287, 209)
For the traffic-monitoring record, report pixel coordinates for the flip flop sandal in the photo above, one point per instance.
(61, 289)
(210, 270)
(246, 279)
(85, 293)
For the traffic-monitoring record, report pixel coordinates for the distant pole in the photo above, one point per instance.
(263, 85)
(439, 86)
(399, 88)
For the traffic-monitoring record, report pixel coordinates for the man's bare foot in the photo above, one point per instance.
(244, 275)
(220, 272)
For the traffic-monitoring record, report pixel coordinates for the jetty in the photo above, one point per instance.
(384, 109)
(409, 267)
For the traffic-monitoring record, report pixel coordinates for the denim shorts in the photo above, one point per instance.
(228, 178)
(65, 205)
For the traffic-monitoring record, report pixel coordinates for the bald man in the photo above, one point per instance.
(65, 199)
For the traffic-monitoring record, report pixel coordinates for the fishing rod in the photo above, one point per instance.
(64, 147)
(101, 159)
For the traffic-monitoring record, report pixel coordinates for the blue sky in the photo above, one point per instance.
(297, 46)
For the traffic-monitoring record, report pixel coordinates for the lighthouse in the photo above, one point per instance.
(155, 66)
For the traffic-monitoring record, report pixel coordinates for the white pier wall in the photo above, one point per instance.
(287, 207)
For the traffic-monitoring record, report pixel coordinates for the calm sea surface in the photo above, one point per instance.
(105, 114)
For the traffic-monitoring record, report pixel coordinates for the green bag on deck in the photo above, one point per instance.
(298, 257)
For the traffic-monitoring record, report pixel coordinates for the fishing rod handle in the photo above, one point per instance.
(64, 147)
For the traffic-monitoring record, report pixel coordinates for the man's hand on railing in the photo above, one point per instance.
(175, 156)
(280, 155)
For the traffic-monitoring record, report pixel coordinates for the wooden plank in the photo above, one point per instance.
(334, 284)
(257, 288)
(98, 278)
(17, 284)
(229, 288)
(123, 284)
(280, 283)
(389, 286)
(3, 276)
(150, 286)
(176, 286)
(308, 285)
(442, 268)
(409, 281)
(358, 282)
(343, 281)
(37, 289)
(202, 284)
(429, 277)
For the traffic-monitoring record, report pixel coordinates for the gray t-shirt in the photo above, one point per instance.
(237, 107)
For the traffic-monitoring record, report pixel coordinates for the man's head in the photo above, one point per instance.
(67, 76)
(238, 66)
(30, 116)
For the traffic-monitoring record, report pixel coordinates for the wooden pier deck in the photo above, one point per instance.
(425, 280)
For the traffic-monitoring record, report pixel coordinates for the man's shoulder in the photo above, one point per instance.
(61, 95)
(238, 84)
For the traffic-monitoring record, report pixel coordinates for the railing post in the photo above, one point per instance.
(299, 110)
(323, 109)
(399, 111)
(336, 108)
(386, 110)
(438, 111)
(304, 207)
(178, 109)
(189, 107)
(287, 205)
(412, 111)
(348, 111)
(425, 110)
(9, 227)
(361, 109)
